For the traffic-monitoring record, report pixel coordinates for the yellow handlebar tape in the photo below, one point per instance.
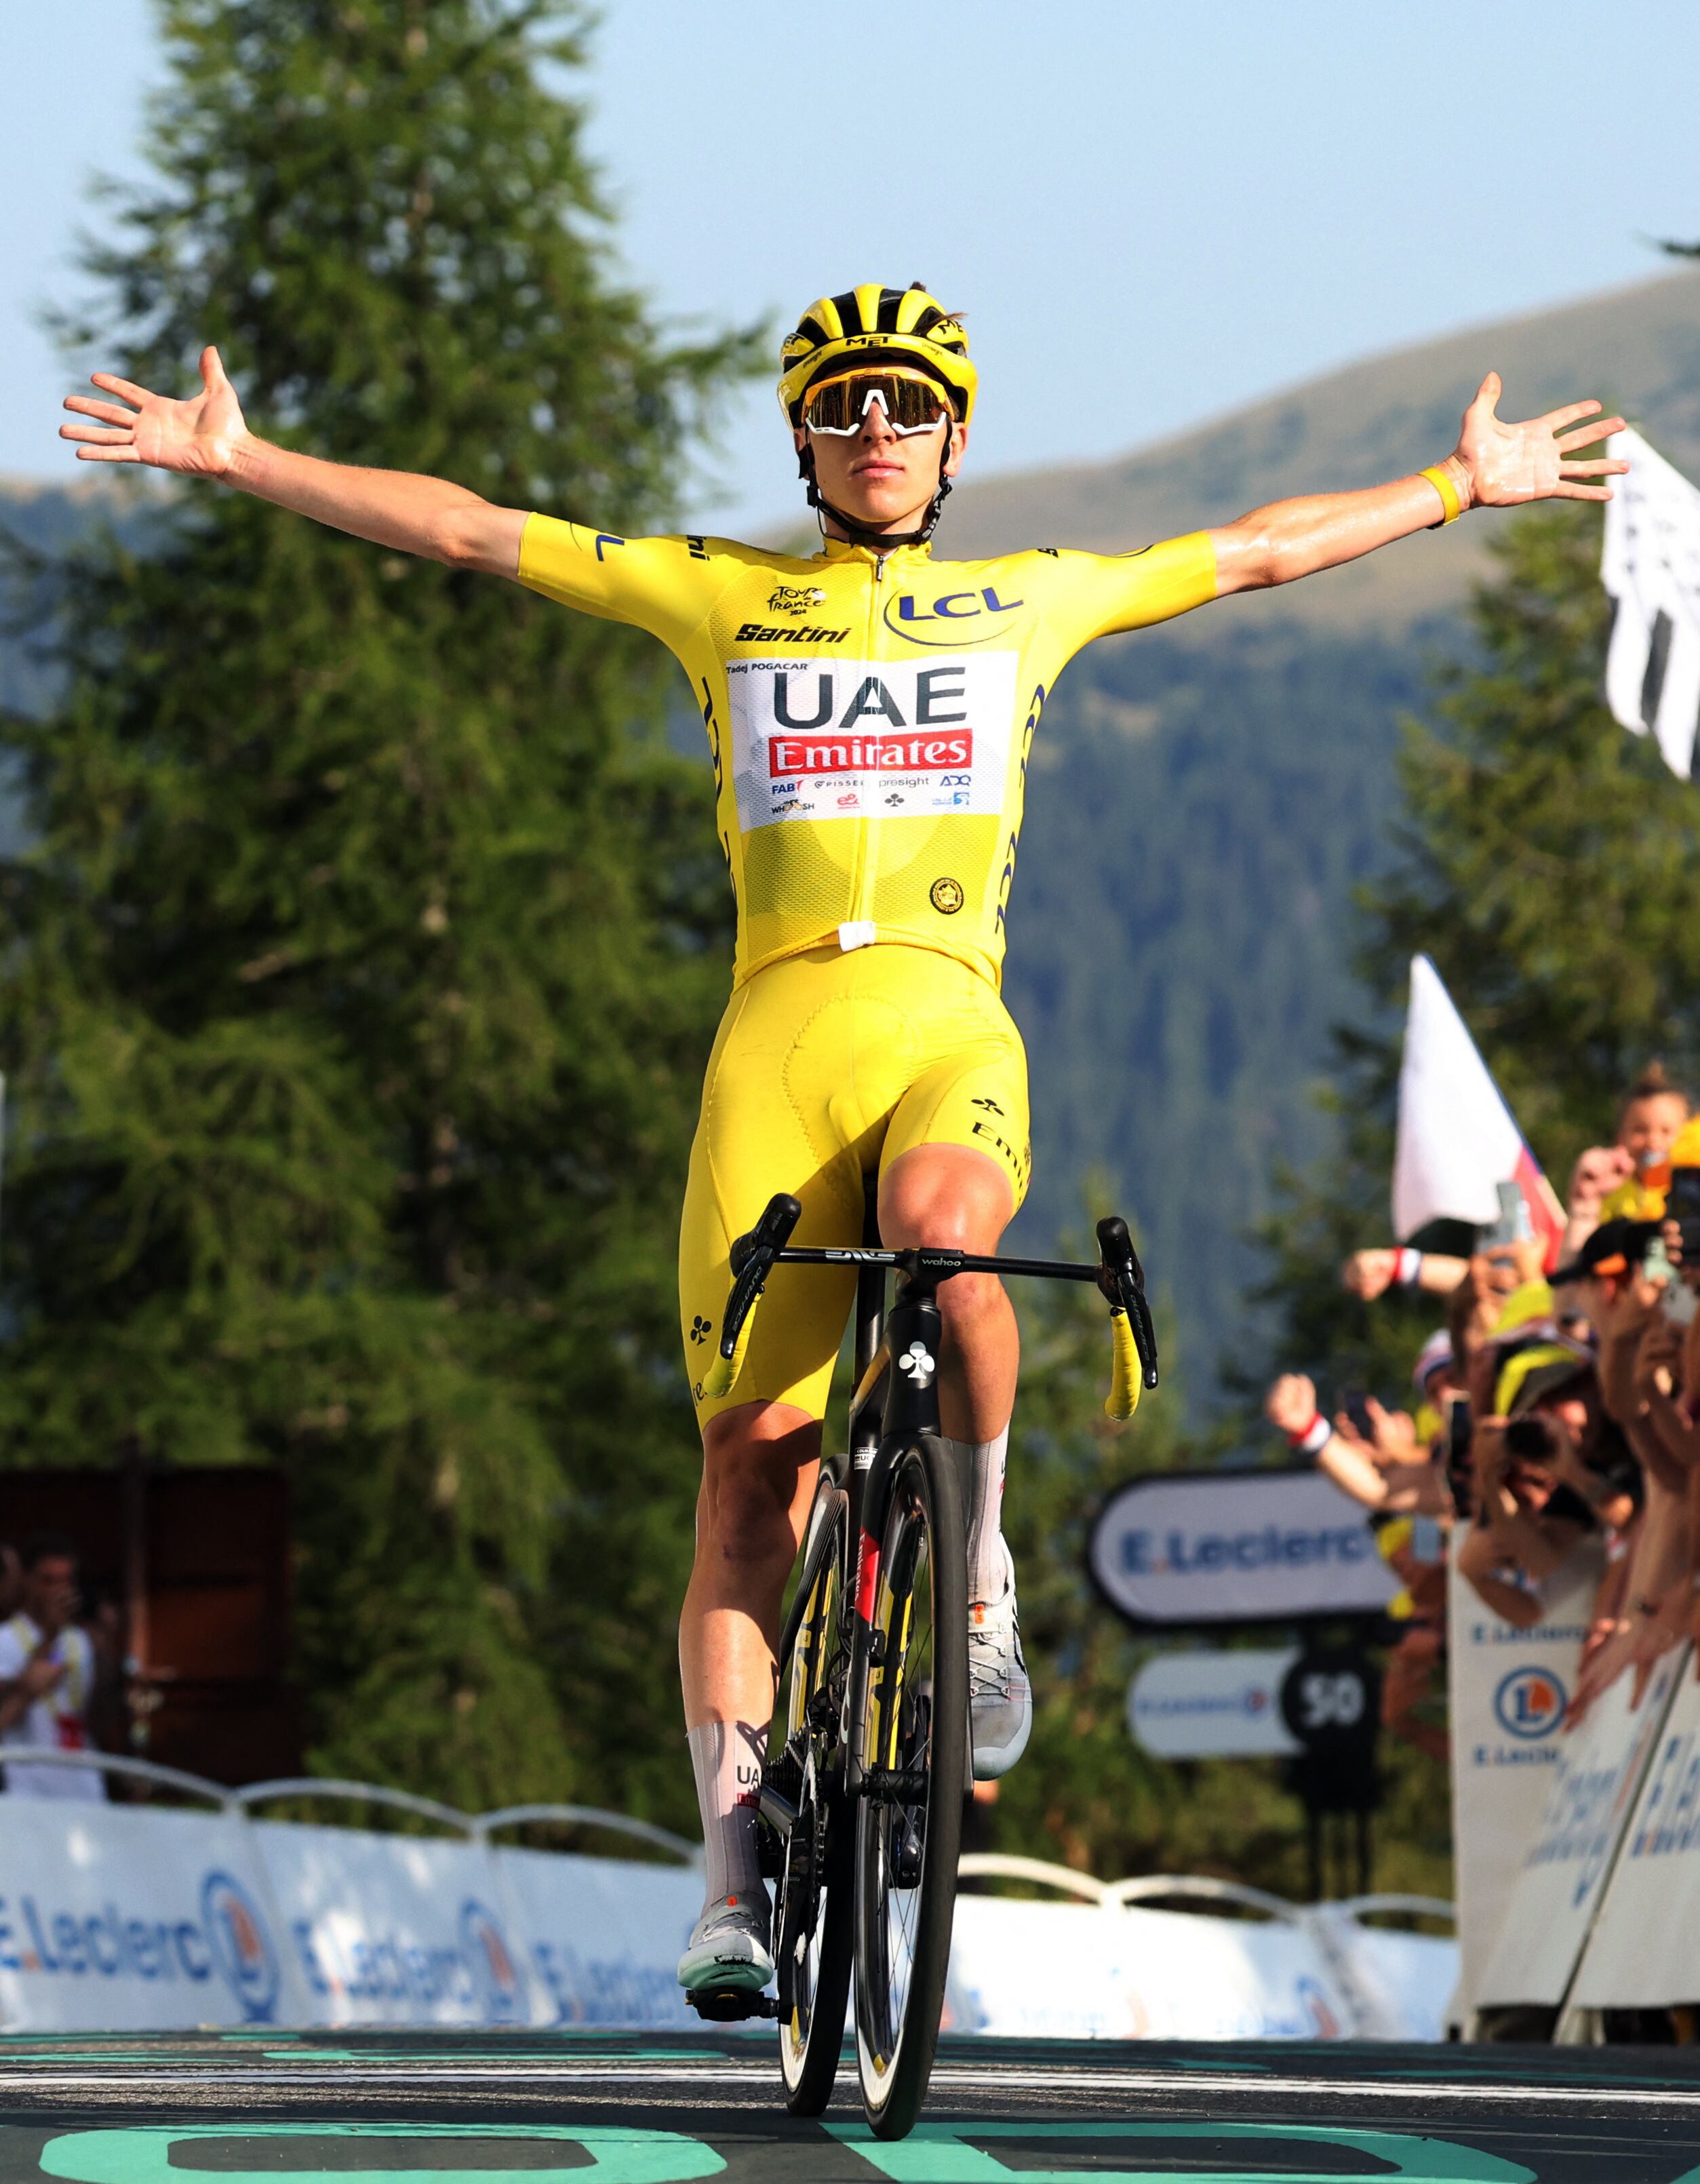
(1440, 478)
(721, 1376)
(1123, 1398)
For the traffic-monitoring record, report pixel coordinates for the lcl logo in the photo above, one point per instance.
(939, 622)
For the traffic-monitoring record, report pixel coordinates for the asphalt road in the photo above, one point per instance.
(641, 2108)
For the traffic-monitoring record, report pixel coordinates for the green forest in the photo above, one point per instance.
(365, 932)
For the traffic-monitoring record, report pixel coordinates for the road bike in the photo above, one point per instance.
(869, 1760)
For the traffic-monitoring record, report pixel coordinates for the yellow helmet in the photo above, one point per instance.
(877, 325)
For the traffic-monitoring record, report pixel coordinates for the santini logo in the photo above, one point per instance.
(1273, 1547)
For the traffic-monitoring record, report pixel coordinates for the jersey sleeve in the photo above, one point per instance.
(1105, 592)
(665, 586)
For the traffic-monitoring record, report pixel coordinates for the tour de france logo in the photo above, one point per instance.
(1530, 1702)
(241, 1946)
(947, 896)
(488, 1958)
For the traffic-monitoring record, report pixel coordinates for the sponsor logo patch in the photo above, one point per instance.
(795, 599)
(760, 632)
(824, 737)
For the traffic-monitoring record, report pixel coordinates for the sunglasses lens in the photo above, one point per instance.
(839, 405)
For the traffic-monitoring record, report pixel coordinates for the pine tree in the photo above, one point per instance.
(361, 968)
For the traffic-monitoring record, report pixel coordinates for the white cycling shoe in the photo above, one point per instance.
(731, 1944)
(999, 1695)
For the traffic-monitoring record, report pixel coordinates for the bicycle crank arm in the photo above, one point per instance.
(777, 1810)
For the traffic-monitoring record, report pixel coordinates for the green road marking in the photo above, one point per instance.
(142, 2155)
(941, 2154)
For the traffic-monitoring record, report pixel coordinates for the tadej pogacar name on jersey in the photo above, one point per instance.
(826, 738)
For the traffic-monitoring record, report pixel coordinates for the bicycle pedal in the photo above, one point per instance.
(730, 2005)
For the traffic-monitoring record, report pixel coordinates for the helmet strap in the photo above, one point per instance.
(859, 534)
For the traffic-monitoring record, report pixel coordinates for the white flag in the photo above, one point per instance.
(1458, 1139)
(1651, 566)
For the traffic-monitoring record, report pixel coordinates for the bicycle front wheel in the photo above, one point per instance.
(914, 1762)
(813, 1930)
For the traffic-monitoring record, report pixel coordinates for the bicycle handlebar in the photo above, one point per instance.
(1118, 1275)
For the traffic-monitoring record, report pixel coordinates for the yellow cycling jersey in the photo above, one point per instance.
(870, 715)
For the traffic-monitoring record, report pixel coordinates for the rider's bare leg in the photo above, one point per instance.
(950, 1194)
(760, 1462)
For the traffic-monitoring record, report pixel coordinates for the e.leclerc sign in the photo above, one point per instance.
(1237, 1546)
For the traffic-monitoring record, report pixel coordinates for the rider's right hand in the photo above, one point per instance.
(200, 437)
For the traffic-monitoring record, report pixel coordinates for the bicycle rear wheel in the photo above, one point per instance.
(915, 1754)
(813, 1928)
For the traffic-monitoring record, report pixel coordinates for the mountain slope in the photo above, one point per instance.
(1637, 350)
(1204, 798)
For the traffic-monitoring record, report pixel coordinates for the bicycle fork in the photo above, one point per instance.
(907, 1365)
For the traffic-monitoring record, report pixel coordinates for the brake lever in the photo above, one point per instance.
(752, 1256)
(1123, 1280)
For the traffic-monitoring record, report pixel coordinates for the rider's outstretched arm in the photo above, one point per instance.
(1495, 464)
(207, 437)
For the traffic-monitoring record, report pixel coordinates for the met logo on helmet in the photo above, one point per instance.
(940, 621)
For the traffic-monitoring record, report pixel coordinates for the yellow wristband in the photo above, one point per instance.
(1440, 478)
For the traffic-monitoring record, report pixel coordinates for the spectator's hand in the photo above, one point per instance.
(1658, 1360)
(1369, 1274)
(1596, 1175)
(1490, 1460)
(1290, 1404)
(42, 1675)
(1396, 1435)
(1654, 1635)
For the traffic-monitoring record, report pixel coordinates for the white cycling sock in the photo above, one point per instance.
(991, 1572)
(725, 1758)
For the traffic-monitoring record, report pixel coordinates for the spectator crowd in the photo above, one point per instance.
(1556, 1413)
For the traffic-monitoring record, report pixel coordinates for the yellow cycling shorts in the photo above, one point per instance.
(827, 1066)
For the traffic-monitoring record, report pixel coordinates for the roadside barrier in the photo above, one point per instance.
(129, 1917)
(1116, 1966)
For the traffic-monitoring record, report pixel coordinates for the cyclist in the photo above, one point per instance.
(870, 713)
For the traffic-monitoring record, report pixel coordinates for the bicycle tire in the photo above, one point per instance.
(813, 1921)
(916, 1732)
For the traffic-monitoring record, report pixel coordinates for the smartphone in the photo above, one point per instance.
(1355, 1402)
(1513, 1225)
(1680, 1304)
(1460, 1431)
(1682, 1200)
(1656, 1267)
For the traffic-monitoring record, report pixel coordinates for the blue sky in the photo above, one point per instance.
(1194, 205)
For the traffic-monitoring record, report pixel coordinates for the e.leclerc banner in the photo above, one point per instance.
(1237, 1546)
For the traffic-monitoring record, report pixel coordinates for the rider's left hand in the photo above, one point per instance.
(1505, 464)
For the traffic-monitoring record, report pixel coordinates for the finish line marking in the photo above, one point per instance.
(1007, 2078)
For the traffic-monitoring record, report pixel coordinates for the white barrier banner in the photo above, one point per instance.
(1051, 1971)
(1508, 1689)
(117, 1920)
(1645, 1948)
(1398, 1984)
(602, 1937)
(392, 1930)
(1589, 1802)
